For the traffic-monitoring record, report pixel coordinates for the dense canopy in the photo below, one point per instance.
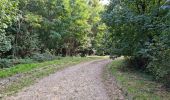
(140, 31)
(62, 27)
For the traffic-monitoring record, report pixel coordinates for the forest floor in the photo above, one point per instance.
(79, 82)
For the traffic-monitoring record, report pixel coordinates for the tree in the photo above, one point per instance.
(67, 27)
(138, 29)
(97, 27)
(7, 15)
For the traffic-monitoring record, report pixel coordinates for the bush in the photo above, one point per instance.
(160, 67)
(6, 63)
(37, 57)
(22, 61)
(43, 57)
(139, 63)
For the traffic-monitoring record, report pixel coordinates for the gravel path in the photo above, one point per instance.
(79, 82)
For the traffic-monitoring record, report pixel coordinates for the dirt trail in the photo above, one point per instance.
(79, 82)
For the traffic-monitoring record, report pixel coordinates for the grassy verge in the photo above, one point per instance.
(137, 85)
(22, 68)
(35, 71)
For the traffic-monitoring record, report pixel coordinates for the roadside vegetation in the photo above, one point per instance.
(135, 84)
(41, 30)
(22, 68)
(140, 31)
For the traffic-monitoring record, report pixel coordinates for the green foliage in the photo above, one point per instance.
(43, 57)
(28, 28)
(160, 66)
(22, 68)
(8, 10)
(67, 27)
(98, 28)
(139, 30)
(5, 43)
(6, 63)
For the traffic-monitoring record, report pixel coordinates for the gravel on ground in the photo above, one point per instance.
(80, 82)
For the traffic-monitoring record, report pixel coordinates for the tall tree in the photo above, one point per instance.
(138, 29)
(8, 10)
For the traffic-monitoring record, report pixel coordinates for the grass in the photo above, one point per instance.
(22, 68)
(137, 85)
(35, 71)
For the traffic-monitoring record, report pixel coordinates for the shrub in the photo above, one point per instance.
(137, 62)
(6, 63)
(43, 57)
(22, 61)
(160, 67)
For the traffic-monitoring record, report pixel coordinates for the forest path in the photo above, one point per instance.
(80, 82)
